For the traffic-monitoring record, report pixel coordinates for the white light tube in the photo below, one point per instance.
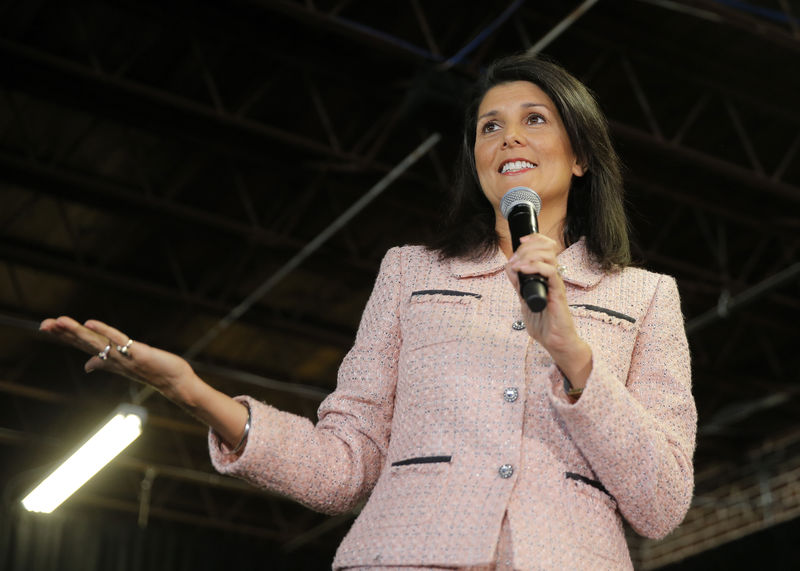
(124, 427)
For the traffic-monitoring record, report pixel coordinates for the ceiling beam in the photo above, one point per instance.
(742, 299)
(301, 325)
(728, 169)
(96, 92)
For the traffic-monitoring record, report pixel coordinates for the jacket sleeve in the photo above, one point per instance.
(332, 465)
(639, 436)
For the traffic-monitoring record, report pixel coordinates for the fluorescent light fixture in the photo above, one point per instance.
(113, 437)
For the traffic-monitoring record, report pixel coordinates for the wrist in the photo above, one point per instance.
(187, 391)
(572, 393)
(575, 363)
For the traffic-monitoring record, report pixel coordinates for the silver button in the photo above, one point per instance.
(506, 471)
(511, 394)
(518, 325)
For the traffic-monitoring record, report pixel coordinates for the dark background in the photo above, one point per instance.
(159, 161)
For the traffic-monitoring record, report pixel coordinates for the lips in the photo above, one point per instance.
(515, 166)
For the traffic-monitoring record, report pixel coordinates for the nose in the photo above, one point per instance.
(512, 138)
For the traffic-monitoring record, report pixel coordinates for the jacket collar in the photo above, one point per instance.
(463, 268)
(579, 268)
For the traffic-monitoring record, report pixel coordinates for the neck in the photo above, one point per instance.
(552, 227)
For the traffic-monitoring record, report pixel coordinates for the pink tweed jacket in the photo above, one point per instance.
(449, 416)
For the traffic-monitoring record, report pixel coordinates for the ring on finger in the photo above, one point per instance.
(126, 349)
(103, 355)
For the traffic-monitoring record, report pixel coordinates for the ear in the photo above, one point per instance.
(577, 168)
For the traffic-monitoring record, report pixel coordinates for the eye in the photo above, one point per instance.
(490, 127)
(535, 119)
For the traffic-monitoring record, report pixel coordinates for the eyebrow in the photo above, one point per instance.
(524, 106)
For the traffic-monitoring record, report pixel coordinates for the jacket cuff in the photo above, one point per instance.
(220, 453)
(601, 388)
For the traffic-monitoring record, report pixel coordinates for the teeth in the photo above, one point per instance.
(516, 166)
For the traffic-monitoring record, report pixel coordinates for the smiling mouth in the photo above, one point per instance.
(515, 166)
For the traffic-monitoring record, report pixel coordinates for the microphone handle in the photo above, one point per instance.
(533, 287)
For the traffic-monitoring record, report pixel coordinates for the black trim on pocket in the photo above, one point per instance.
(445, 292)
(589, 482)
(422, 460)
(605, 310)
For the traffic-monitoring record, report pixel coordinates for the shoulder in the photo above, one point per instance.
(635, 277)
(647, 280)
(412, 268)
(412, 251)
(408, 258)
(637, 290)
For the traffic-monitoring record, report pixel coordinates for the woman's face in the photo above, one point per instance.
(521, 141)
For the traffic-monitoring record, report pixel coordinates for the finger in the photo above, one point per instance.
(534, 251)
(95, 362)
(69, 331)
(539, 239)
(536, 267)
(101, 359)
(115, 335)
(523, 263)
(122, 344)
(513, 276)
(51, 325)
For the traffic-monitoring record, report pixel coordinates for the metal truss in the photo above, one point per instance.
(778, 26)
(225, 123)
(672, 146)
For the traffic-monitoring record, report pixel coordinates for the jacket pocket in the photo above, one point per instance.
(603, 314)
(409, 492)
(422, 460)
(435, 316)
(444, 294)
(592, 488)
(592, 515)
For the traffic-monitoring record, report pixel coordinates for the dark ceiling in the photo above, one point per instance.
(173, 168)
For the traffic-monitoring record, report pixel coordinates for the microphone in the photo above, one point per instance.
(519, 206)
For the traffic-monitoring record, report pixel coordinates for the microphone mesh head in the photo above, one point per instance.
(520, 195)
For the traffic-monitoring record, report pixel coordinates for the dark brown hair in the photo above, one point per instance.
(595, 207)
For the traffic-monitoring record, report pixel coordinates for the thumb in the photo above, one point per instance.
(513, 276)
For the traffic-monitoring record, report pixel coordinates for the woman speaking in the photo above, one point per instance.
(484, 435)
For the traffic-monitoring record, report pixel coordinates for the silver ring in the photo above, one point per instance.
(125, 349)
(103, 355)
(560, 268)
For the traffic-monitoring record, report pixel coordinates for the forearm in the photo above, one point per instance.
(226, 416)
(575, 362)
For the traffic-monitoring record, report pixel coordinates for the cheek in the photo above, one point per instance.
(482, 162)
(560, 155)
(479, 153)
